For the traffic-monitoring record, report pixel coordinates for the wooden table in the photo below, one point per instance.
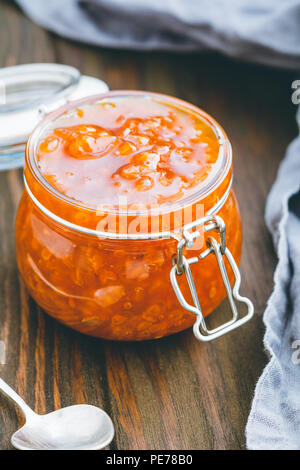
(173, 393)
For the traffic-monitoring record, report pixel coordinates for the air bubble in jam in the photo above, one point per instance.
(144, 184)
(49, 145)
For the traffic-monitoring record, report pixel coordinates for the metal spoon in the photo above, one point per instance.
(78, 427)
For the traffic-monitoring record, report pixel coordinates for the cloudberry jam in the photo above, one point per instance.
(137, 148)
(123, 163)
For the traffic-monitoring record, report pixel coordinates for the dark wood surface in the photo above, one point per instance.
(173, 393)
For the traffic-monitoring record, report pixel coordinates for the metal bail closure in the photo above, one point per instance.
(182, 265)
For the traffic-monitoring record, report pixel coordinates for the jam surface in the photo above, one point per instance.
(128, 148)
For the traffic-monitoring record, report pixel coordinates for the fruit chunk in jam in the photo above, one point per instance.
(150, 152)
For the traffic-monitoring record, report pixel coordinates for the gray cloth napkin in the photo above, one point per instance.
(274, 421)
(265, 31)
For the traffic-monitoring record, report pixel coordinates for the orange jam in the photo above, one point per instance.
(124, 163)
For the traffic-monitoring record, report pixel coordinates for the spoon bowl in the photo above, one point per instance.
(77, 427)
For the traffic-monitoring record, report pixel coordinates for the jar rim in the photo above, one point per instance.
(210, 184)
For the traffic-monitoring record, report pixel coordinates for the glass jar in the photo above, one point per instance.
(131, 273)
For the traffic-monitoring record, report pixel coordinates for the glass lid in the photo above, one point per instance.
(27, 93)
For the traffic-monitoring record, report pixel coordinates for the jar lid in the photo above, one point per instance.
(27, 93)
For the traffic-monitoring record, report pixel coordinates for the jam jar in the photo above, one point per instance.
(128, 227)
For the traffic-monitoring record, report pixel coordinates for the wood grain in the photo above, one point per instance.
(172, 393)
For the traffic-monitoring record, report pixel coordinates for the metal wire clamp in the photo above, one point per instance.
(182, 265)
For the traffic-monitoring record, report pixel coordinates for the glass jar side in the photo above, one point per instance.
(114, 289)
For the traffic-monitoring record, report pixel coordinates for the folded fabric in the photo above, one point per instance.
(265, 31)
(274, 421)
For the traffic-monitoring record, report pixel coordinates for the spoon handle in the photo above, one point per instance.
(10, 393)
